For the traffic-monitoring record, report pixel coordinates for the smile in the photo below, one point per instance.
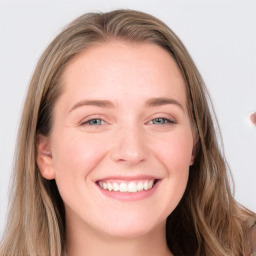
(127, 186)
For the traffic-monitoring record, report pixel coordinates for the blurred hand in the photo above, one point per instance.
(253, 118)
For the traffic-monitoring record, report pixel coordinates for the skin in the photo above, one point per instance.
(253, 118)
(127, 141)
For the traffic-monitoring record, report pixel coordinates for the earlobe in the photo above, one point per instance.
(193, 155)
(44, 157)
(194, 150)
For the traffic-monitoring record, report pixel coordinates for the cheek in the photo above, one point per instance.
(175, 151)
(76, 155)
(175, 155)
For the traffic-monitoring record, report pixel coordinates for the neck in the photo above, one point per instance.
(87, 242)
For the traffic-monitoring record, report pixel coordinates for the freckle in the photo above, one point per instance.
(253, 118)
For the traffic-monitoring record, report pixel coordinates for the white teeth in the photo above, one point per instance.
(123, 187)
(150, 184)
(131, 187)
(115, 187)
(140, 186)
(145, 185)
(110, 187)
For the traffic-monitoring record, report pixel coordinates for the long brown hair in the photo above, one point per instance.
(207, 221)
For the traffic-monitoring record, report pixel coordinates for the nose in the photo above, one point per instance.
(130, 147)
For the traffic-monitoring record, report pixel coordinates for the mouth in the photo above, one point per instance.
(123, 186)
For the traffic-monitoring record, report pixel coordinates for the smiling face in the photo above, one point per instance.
(121, 141)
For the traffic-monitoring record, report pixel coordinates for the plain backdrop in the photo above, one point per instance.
(220, 36)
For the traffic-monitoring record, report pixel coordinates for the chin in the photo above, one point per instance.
(130, 228)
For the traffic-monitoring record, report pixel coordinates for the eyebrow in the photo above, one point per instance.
(97, 103)
(153, 102)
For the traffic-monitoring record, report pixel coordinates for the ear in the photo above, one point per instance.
(194, 150)
(195, 147)
(44, 157)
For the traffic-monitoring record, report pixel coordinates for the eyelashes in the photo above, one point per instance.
(161, 121)
(95, 122)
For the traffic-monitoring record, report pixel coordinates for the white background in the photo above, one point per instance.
(220, 35)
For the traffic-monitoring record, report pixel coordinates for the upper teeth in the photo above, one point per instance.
(127, 186)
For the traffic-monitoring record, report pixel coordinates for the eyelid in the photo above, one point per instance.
(168, 117)
(168, 121)
(92, 117)
(88, 121)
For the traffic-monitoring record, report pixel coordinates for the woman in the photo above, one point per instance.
(117, 150)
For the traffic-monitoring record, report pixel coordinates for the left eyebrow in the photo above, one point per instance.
(155, 102)
(97, 103)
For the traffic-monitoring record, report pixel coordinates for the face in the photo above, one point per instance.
(121, 141)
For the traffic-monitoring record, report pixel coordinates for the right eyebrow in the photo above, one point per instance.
(97, 103)
(155, 102)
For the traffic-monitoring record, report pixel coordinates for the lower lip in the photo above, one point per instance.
(129, 196)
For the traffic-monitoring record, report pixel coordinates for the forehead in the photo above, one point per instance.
(117, 69)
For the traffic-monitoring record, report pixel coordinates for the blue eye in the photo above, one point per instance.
(159, 121)
(94, 122)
